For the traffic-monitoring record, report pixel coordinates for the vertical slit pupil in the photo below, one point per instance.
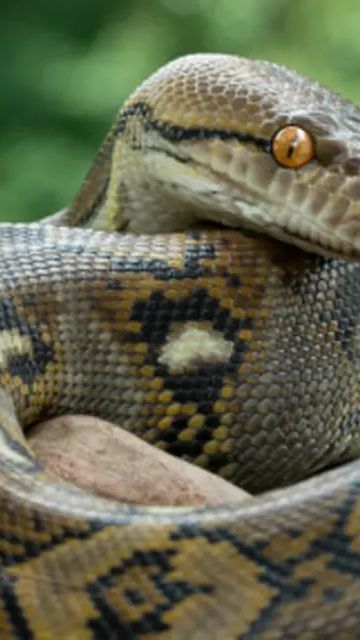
(292, 146)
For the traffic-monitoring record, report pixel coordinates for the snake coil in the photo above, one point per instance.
(232, 349)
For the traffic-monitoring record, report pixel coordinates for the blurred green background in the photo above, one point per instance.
(67, 66)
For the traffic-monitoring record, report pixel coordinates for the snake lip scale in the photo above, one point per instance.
(202, 290)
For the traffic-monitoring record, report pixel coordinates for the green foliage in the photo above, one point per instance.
(68, 65)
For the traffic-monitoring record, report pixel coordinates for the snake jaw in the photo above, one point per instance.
(172, 187)
(233, 185)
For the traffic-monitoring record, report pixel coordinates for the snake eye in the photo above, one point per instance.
(292, 147)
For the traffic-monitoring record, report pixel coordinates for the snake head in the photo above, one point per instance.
(208, 138)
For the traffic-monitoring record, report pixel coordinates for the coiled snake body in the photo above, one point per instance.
(234, 350)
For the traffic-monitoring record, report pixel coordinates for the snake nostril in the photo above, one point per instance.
(352, 166)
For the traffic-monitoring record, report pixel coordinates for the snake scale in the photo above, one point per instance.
(232, 348)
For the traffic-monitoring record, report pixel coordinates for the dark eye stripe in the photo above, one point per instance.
(175, 133)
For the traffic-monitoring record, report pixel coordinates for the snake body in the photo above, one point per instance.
(236, 351)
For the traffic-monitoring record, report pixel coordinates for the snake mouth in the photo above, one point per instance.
(326, 247)
(227, 202)
(241, 201)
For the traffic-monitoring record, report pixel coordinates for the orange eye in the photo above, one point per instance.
(292, 147)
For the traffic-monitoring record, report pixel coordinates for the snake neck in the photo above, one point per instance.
(142, 184)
